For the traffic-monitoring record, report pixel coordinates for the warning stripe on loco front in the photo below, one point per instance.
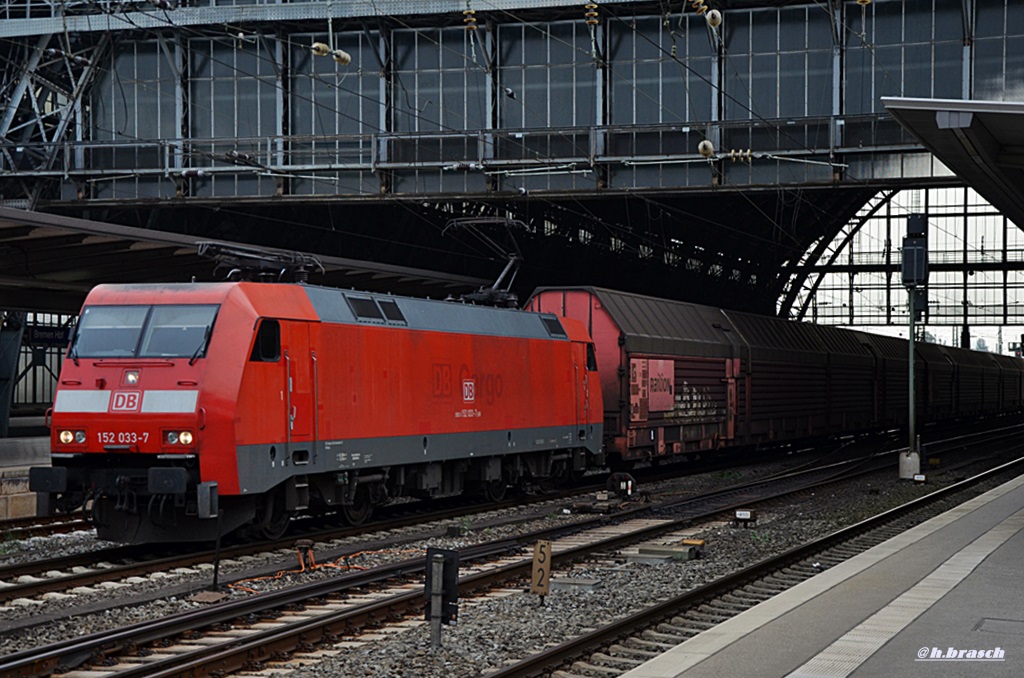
(154, 402)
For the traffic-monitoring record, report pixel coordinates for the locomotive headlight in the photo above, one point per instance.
(185, 437)
(68, 437)
(131, 378)
(172, 437)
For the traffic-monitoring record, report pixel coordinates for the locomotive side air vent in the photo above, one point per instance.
(365, 309)
(376, 310)
(553, 326)
(391, 311)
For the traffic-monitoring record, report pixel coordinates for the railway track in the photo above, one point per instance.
(626, 643)
(43, 526)
(227, 636)
(39, 577)
(357, 610)
(31, 580)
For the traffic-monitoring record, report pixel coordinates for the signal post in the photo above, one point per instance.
(915, 276)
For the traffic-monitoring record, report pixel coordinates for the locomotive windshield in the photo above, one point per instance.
(166, 331)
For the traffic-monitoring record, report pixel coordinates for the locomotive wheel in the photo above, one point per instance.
(72, 501)
(276, 528)
(494, 490)
(561, 475)
(277, 520)
(359, 511)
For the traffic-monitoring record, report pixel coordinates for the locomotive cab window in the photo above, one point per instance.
(142, 331)
(108, 331)
(591, 358)
(177, 332)
(267, 348)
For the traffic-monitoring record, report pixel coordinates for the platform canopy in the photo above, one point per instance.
(49, 262)
(982, 142)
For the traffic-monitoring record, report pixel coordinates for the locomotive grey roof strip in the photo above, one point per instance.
(433, 315)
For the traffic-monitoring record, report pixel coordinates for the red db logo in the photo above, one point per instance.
(468, 390)
(125, 401)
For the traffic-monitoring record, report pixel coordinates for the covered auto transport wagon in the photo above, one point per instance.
(679, 378)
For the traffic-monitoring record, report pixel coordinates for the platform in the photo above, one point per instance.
(951, 584)
(16, 452)
(16, 456)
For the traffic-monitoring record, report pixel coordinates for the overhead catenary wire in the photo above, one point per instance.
(205, 36)
(332, 34)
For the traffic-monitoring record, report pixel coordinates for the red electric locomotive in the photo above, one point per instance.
(253, 402)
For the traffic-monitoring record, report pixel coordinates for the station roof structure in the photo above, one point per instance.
(982, 142)
(49, 262)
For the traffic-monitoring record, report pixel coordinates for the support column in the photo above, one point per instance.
(11, 331)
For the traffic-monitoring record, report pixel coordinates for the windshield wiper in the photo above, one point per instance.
(73, 349)
(202, 345)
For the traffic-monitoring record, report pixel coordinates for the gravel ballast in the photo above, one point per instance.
(493, 631)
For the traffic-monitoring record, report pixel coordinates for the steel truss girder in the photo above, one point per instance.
(802, 270)
(148, 17)
(44, 103)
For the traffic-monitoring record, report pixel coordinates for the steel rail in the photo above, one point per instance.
(260, 646)
(144, 563)
(42, 661)
(147, 565)
(544, 662)
(38, 526)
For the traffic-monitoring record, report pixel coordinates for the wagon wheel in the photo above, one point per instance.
(359, 510)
